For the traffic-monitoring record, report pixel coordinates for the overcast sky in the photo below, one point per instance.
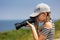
(21, 9)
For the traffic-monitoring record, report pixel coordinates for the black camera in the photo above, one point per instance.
(19, 25)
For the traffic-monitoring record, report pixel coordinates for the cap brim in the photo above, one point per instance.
(34, 14)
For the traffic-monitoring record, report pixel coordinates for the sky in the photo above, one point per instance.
(22, 9)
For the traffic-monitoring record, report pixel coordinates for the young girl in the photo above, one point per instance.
(42, 14)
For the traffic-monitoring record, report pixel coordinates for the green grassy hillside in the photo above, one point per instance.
(25, 34)
(22, 34)
(57, 29)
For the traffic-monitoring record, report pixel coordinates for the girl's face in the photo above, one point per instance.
(41, 17)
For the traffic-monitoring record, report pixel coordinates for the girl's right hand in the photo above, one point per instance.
(29, 24)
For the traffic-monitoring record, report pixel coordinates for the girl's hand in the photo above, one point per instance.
(29, 24)
(33, 30)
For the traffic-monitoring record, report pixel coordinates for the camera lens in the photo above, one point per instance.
(19, 25)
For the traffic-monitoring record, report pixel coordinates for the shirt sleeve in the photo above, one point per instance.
(45, 31)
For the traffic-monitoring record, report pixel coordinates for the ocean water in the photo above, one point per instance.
(6, 25)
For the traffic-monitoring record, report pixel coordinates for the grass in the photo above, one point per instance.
(25, 34)
(22, 34)
(57, 29)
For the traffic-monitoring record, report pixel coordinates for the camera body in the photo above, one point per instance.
(19, 25)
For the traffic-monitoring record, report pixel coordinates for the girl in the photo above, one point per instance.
(42, 14)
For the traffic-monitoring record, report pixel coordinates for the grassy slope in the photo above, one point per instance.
(24, 34)
(57, 29)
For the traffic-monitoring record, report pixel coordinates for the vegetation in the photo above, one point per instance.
(25, 34)
(57, 29)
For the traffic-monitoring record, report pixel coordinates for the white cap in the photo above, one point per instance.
(40, 8)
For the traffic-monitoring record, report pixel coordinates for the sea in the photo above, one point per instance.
(7, 25)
